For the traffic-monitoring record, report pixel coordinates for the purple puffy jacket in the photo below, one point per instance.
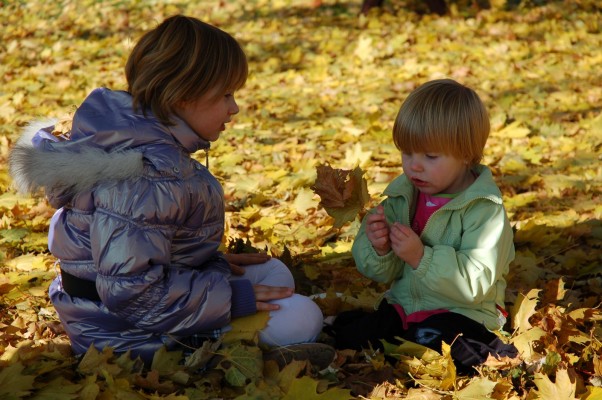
(140, 218)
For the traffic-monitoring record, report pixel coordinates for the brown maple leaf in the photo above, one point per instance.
(331, 186)
(343, 193)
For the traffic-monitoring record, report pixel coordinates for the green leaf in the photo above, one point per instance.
(240, 363)
(167, 362)
(13, 235)
(13, 383)
(307, 389)
(58, 389)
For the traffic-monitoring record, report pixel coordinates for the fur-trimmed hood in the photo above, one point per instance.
(99, 148)
(64, 171)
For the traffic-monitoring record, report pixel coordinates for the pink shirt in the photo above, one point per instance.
(425, 207)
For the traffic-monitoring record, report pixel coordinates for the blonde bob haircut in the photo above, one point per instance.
(442, 116)
(182, 60)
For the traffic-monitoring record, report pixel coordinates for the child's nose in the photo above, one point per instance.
(416, 165)
(234, 109)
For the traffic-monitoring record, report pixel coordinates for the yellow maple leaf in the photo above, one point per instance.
(449, 377)
(95, 361)
(478, 388)
(524, 342)
(304, 201)
(593, 393)
(514, 130)
(562, 389)
(523, 309)
(246, 328)
(30, 262)
(357, 156)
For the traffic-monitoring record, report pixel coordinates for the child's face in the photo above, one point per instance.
(434, 173)
(208, 117)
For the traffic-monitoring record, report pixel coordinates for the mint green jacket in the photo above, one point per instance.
(468, 246)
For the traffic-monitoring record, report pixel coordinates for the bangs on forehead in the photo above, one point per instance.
(423, 139)
(236, 79)
(235, 73)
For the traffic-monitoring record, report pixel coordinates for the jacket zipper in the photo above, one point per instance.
(414, 292)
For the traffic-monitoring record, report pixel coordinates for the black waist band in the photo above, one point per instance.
(78, 287)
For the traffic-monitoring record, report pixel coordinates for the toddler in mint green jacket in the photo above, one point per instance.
(441, 238)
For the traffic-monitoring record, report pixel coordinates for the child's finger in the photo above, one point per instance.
(375, 218)
(407, 231)
(379, 226)
(247, 258)
(237, 270)
(263, 306)
(401, 231)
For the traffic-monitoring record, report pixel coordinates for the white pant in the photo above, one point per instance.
(299, 319)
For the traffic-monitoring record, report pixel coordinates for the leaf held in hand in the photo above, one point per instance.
(343, 193)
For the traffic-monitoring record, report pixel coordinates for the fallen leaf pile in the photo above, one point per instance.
(310, 152)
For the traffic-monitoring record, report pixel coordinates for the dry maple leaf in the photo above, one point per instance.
(343, 193)
(331, 186)
(502, 362)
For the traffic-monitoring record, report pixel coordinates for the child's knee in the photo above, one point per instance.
(299, 320)
(279, 274)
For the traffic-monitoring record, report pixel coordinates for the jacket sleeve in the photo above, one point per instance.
(131, 237)
(383, 269)
(467, 275)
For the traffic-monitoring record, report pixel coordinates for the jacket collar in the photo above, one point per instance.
(186, 137)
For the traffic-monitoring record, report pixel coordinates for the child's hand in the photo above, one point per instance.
(377, 230)
(264, 293)
(406, 244)
(236, 261)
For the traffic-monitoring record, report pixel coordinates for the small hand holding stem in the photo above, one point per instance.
(377, 231)
(406, 244)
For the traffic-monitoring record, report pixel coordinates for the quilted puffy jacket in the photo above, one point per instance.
(140, 218)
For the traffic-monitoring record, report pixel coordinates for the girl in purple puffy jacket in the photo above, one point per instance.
(139, 222)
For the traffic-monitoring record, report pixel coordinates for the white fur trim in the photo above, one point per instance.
(34, 127)
(69, 171)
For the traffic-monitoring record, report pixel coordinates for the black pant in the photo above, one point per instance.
(471, 342)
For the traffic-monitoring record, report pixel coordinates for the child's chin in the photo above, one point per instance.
(426, 190)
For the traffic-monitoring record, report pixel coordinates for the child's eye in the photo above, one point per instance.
(432, 156)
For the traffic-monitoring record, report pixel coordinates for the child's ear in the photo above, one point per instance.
(179, 106)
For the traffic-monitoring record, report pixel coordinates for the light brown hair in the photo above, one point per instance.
(443, 116)
(182, 60)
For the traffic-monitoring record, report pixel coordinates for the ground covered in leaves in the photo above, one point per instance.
(324, 88)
